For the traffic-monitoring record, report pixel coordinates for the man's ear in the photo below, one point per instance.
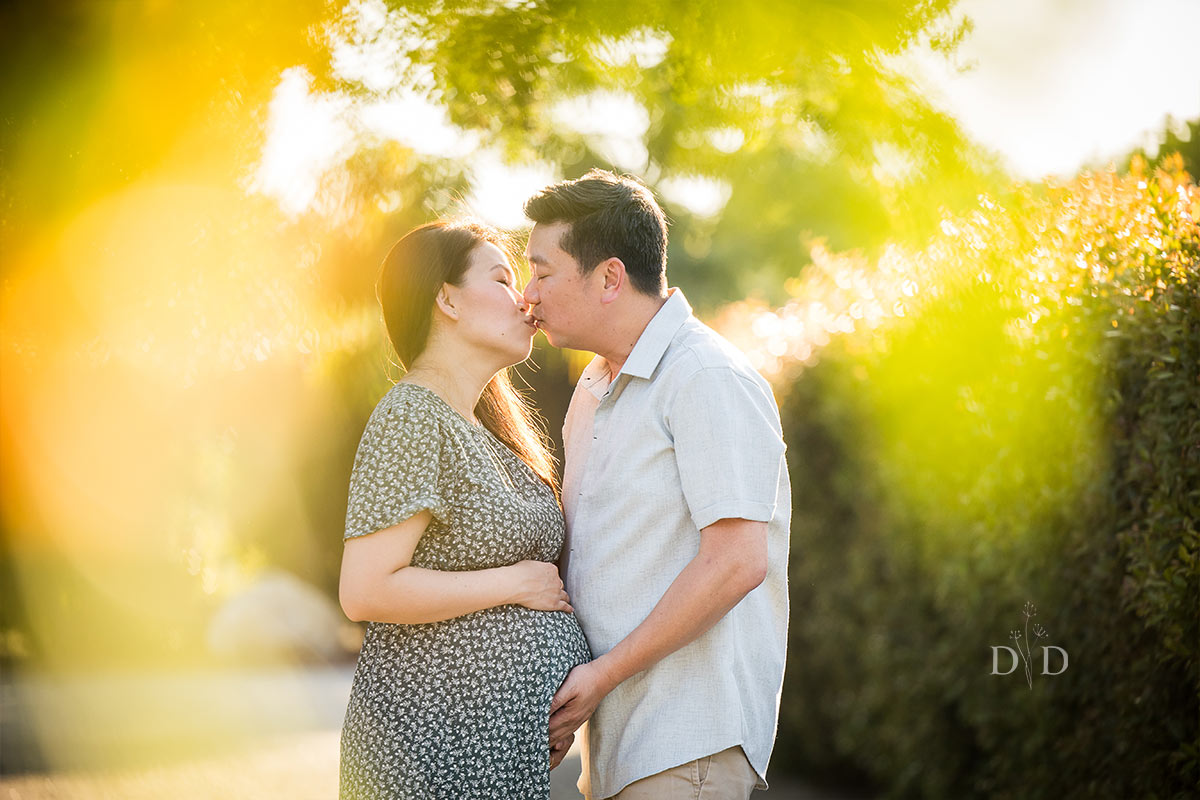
(612, 273)
(444, 301)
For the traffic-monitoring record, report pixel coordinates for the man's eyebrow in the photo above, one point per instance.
(535, 259)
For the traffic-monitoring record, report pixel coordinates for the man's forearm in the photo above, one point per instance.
(707, 588)
(732, 561)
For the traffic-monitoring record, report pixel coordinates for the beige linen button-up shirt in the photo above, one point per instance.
(685, 435)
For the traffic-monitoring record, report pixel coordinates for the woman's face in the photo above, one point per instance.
(491, 311)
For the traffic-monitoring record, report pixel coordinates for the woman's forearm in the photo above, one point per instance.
(413, 595)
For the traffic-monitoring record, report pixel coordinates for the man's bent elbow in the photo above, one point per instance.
(753, 574)
(746, 576)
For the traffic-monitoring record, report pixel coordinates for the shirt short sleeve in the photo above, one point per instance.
(396, 469)
(728, 446)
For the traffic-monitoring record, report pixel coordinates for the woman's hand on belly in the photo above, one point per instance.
(380, 584)
(538, 585)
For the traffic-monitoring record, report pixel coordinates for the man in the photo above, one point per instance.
(677, 503)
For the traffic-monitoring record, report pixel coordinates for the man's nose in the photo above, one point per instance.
(530, 293)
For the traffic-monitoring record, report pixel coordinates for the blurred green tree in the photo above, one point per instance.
(770, 124)
(1007, 414)
(1176, 136)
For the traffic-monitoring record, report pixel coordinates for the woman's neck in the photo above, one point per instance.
(458, 381)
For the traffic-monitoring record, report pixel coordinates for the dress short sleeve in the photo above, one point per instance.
(396, 469)
(728, 447)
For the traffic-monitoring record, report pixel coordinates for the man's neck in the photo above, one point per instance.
(627, 331)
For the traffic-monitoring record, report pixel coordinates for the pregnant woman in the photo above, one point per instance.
(452, 528)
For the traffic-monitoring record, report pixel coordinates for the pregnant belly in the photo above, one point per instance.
(507, 651)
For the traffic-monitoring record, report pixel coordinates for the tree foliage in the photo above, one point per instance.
(795, 111)
(1177, 137)
(1008, 414)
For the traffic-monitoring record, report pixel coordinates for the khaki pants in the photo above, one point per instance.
(726, 775)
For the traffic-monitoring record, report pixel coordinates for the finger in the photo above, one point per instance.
(560, 699)
(562, 729)
(557, 756)
(557, 729)
(563, 724)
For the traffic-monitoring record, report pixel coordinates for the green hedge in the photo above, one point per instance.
(1009, 416)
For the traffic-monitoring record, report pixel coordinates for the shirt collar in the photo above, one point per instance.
(647, 351)
(656, 338)
(594, 377)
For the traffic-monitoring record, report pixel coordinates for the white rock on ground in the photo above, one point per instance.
(279, 619)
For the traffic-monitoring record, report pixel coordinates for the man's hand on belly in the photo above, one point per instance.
(577, 698)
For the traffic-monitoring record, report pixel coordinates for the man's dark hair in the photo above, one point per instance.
(609, 216)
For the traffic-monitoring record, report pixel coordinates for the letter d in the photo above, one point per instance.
(1046, 659)
(1011, 652)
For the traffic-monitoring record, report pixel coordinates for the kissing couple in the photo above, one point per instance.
(645, 596)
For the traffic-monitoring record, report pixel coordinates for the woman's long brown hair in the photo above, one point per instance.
(413, 271)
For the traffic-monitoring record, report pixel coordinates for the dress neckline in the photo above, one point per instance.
(491, 444)
(475, 426)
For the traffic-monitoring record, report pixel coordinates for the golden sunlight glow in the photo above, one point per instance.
(197, 197)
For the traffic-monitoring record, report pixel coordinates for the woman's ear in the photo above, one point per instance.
(444, 301)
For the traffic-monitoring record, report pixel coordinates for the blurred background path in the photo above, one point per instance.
(259, 734)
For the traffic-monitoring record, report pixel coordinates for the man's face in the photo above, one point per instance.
(563, 302)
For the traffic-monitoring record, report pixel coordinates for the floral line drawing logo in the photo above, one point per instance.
(1024, 655)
